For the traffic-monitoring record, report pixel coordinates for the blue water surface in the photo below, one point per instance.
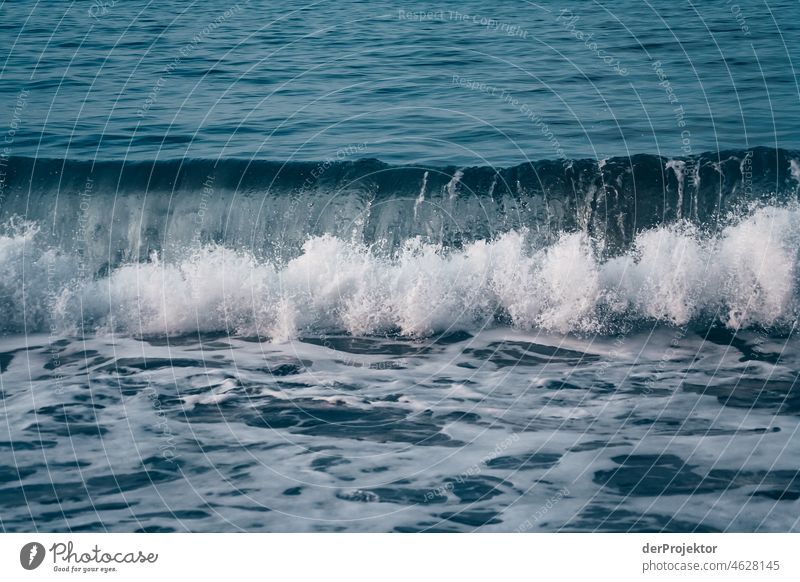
(440, 83)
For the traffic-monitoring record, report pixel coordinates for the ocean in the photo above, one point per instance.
(380, 267)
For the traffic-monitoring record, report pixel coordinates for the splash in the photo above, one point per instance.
(745, 275)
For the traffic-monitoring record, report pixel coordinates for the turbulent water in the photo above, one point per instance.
(665, 430)
(377, 348)
(277, 251)
(354, 267)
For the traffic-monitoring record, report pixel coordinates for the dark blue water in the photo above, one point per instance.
(299, 80)
(367, 266)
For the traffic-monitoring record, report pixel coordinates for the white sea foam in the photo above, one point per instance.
(746, 275)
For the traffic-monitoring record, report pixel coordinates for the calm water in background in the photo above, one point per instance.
(296, 80)
(606, 345)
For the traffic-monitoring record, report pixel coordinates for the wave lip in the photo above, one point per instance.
(113, 212)
(281, 249)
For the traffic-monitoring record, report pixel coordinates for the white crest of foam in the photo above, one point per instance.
(756, 268)
(662, 278)
(746, 275)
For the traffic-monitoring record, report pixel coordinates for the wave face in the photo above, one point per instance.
(279, 250)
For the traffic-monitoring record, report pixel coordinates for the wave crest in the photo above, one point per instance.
(745, 275)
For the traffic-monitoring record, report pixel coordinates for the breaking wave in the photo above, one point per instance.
(744, 276)
(288, 249)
